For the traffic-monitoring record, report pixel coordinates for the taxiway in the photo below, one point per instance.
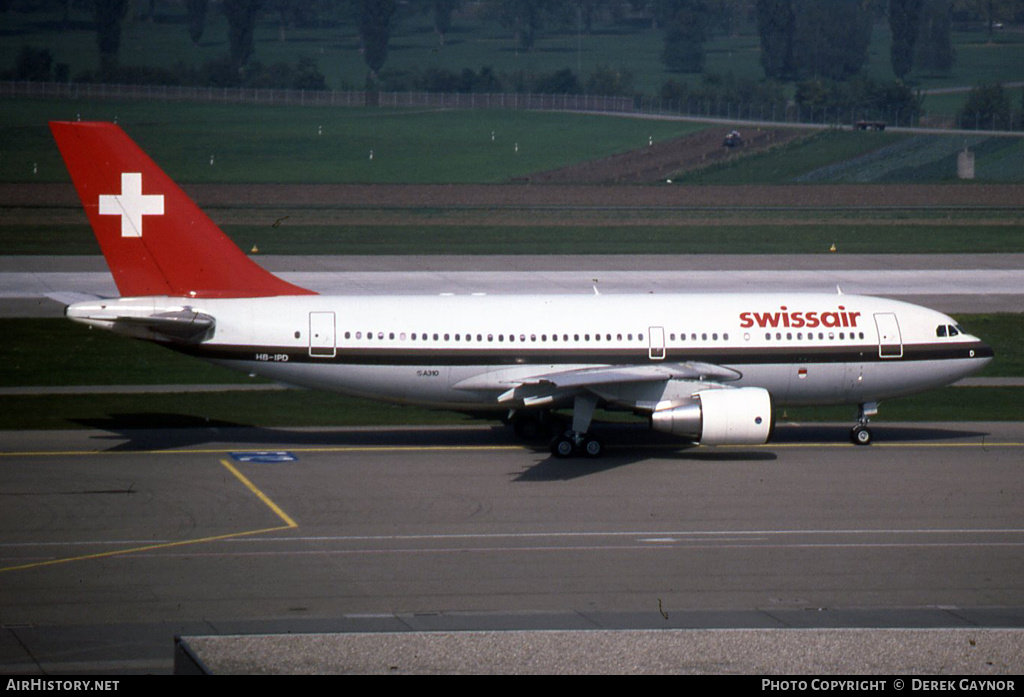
(115, 542)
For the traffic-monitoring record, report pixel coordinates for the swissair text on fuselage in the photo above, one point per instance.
(797, 320)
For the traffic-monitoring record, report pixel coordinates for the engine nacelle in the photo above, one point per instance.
(741, 416)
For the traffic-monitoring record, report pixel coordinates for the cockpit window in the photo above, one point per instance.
(949, 330)
(940, 330)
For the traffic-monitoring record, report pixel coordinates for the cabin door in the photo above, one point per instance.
(656, 350)
(321, 335)
(890, 342)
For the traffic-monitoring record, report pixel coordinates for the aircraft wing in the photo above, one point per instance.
(605, 375)
(605, 381)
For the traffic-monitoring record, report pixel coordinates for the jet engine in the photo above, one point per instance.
(740, 416)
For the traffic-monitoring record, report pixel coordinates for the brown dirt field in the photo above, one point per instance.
(661, 161)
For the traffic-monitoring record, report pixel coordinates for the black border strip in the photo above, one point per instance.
(509, 356)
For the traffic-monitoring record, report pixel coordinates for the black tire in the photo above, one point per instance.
(563, 447)
(861, 435)
(593, 448)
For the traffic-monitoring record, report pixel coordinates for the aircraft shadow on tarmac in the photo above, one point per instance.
(551, 468)
(884, 433)
(166, 431)
(627, 444)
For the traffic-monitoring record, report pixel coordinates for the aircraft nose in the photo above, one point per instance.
(983, 351)
(980, 355)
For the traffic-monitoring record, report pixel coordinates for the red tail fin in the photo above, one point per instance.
(155, 239)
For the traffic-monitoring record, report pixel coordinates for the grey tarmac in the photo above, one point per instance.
(115, 542)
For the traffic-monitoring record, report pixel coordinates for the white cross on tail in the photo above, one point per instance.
(131, 204)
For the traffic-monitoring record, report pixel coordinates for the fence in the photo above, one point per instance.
(698, 108)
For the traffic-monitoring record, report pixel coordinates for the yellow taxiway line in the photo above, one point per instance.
(508, 448)
(289, 524)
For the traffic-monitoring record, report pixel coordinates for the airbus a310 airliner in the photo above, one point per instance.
(706, 367)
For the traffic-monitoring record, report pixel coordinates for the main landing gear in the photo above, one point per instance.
(570, 439)
(570, 443)
(861, 434)
(576, 440)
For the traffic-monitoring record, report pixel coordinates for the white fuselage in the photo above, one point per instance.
(464, 352)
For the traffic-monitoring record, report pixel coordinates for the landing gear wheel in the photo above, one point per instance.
(562, 447)
(593, 448)
(861, 435)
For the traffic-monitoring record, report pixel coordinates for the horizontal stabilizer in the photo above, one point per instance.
(142, 318)
(184, 325)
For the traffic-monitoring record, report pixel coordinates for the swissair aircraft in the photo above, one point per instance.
(706, 367)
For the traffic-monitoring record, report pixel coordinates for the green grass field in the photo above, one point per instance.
(842, 157)
(295, 145)
(306, 145)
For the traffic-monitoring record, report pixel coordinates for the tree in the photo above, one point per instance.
(34, 64)
(241, 16)
(775, 24)
(987, 106)
(860, 97)
(196, 12)
(905, 24)
(685, 32)
(989, 12)
(524, 18)
(374, 18)
(109, 15)
(443, 10)
(559, 82)
(830, 38)
(586, 12)
(935, 52)
(608, 82)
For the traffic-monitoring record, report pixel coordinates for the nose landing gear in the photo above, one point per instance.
(861, 434)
